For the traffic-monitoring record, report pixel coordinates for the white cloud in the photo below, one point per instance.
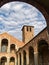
(17, 6)
(1, 18)
(12, 23)
(6, 7)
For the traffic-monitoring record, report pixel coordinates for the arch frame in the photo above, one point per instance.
(43, 53)
(3, 59)
(4, 45)
(41, 40)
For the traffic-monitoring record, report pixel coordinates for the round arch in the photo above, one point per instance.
(12, 61)
(43, 52)
(12, 48)
(35, 4)
(4, 45)
(3, 60)
(4, 41)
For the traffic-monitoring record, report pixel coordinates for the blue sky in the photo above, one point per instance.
(14, 15)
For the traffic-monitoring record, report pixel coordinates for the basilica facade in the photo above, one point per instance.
(33, 50)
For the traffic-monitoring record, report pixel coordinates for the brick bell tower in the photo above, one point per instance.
(27, 33)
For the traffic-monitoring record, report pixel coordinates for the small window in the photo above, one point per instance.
(3, 60)
(30, 29)
(12, 48)
(4, 45)
(12, 61)
(4, 48)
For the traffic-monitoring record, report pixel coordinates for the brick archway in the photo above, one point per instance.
(4, 45)
(12, 48)
(3, 61)
(43, 52)
(12, 61)
(35, 3)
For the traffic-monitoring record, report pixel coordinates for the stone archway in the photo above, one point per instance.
(43, 52)
(12, 61)
(31, 56)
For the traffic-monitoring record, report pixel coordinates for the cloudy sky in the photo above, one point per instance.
(14, 15)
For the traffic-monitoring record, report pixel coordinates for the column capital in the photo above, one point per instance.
(35, 52)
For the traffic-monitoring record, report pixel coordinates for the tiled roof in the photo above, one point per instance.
(12, 39)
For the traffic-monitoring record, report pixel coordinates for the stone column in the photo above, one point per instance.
(22, 59)
(15, 61)
(18, 59)
(8, 45)
(8, 61)
(36, 56)
(27, 57)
